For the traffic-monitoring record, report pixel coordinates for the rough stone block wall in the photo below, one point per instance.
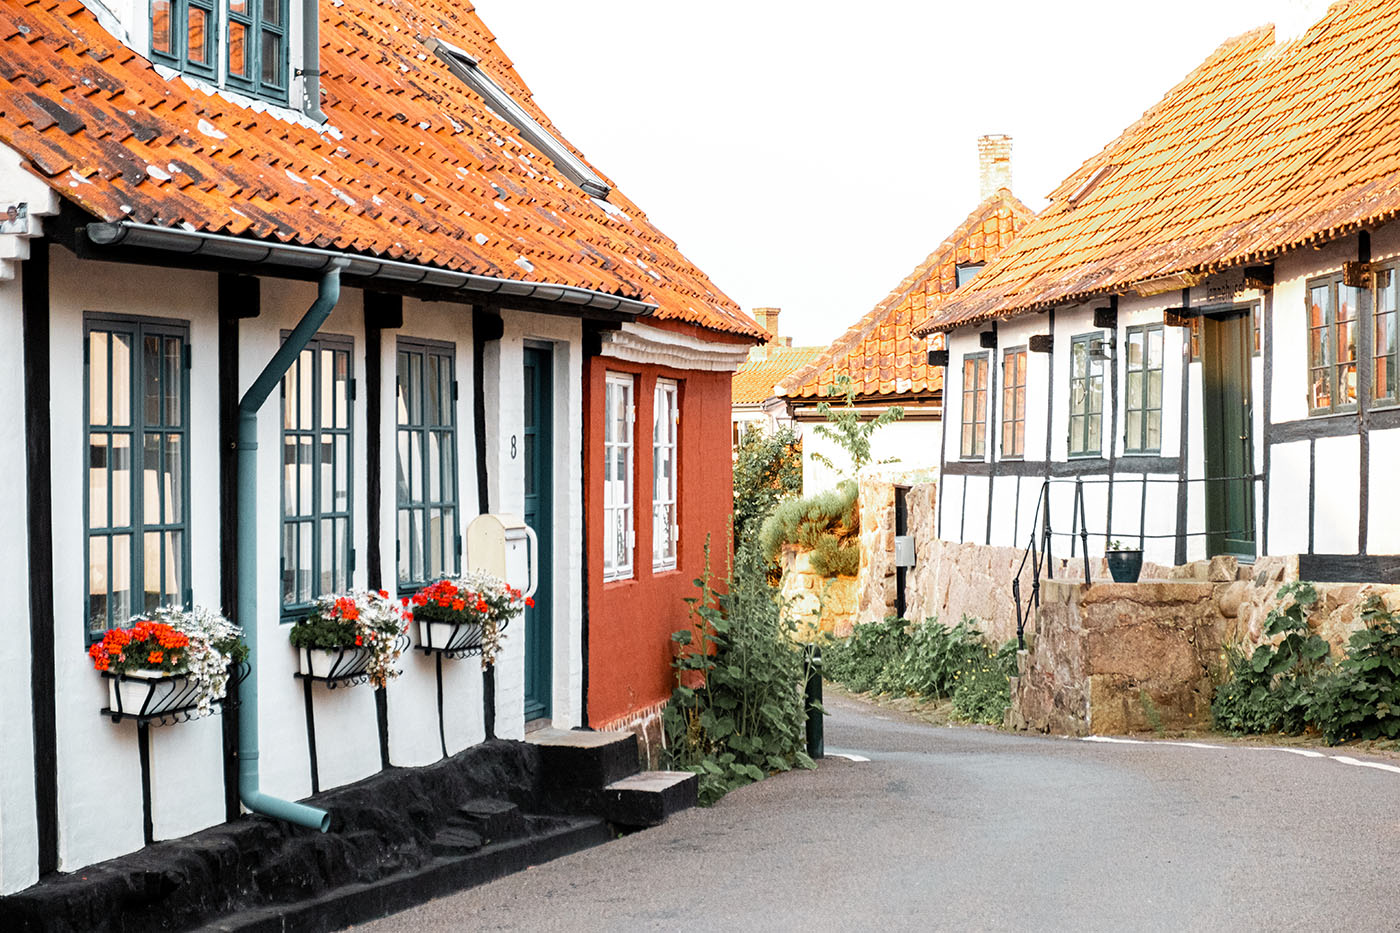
(875, 581)
(646, 725)
(814, 602)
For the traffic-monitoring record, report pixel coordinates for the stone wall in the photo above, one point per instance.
(646, 724)
(816, 603)
(875, 581)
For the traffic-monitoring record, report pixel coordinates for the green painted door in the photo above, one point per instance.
(537, 452)
(1229, 448)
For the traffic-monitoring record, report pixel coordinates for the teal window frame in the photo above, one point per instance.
(1138, 441)
(1086, 423)
(424, 519)
(304, 424)
(178, 56)
(973, 445)
(1325, 335)
(1385, 328)
(162, 525)
(254, 19)
(1014, 365)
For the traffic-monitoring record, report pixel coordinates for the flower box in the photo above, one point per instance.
(327, 663)
(449, 636)
(146, 692)
(349, 636)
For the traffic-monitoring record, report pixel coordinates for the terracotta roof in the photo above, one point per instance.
(1263, 148)
(754, 381)
(879, 352)
(411, 165)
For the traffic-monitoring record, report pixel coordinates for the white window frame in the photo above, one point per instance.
(619, 405)
(665, 444)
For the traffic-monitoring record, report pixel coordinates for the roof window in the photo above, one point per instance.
(967, 271)
(466, 68)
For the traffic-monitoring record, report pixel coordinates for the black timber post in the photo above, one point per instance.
(239, 297)
(382, 312)
(1181, 496)
(486, 326)
(1365, 360)
(38, 457)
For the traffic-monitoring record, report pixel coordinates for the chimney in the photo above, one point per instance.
(993, 164)
(768, 319)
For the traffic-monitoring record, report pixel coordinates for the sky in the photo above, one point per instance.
(809, 155)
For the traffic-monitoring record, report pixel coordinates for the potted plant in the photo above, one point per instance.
(348, 634)
(465, 613)
(1124, 563)
(174, 659)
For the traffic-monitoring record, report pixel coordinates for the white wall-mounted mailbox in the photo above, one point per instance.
(507, 547)
(904, 550)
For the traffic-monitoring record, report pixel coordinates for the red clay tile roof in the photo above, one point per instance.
(880, 353)
(1263, 148)
(754, 381)
(413, 165)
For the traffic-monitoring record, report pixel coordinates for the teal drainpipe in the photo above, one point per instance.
(249, 789)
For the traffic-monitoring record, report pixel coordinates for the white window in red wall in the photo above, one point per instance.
(665, 434)
(619, 417)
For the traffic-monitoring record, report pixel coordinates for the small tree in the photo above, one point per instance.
(767, 469)
(845, 429)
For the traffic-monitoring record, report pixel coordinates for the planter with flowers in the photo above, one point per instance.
(462, 616)
(174, 663)
(351, 636)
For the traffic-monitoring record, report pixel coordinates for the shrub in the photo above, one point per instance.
(933, 657)
(1361, 699)
(738, 711)
(767, 469)
(983, 688)
(828, 524)
(858, 661)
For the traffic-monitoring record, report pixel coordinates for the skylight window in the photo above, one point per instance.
(465, 67)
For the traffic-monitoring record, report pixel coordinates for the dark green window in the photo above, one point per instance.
(1332, 329)
(1013, 403)
(1383, 341)
(1143, 412)
(257, 47)
(317, 532)
(1085, 396)
(137, 416)
(974, 405)
(429, 543)
(182, 35)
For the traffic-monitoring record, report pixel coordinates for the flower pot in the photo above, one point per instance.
(333, 662)
(149, 692)
(1125, 565)
(448, 636)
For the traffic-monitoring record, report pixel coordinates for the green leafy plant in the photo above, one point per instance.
(827, 524)
(767, 469)
(932, 659)
(1271, 690)
(737, 712)
(982, 691)
(846, 429)
(1361, 698)
(859, 661)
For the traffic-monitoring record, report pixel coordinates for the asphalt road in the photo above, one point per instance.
(970, 829)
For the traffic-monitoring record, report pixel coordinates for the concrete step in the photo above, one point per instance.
(648, 798)
(578, 760)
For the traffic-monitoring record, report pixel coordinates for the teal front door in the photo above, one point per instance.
(537, 454)
(1229, 447)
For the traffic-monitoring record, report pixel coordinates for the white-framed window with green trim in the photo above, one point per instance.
(619, 418)
(1143, 407)
(183, 34)
(1332, 331)
(665, 486)
(1085, 397)
(318, 554)
(136, 413)
(1013, 403)
(1385, 360)
(974, 406)
(429, 533)
(256, 47)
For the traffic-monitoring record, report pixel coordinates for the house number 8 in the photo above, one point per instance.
(512, 447)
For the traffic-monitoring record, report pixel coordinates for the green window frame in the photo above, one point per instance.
(1333, 328)
(1385, 360)
(256, 47)
(429, 533)
(136, 512)
(317, 478)
(974, 405)
(182, 35)
(1013, 403)
(1142, 422)
(1085, 397)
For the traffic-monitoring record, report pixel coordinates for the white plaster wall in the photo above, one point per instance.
(975, 505)
(19, 851)
(949, 505)
(1004, 505)
(1337, 505)
(1290, 365)
(1288, 498)
(1017, 333)
(908, 446)
(1383, 526)
(97, 759)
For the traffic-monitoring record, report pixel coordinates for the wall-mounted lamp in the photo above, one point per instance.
(1101, 349)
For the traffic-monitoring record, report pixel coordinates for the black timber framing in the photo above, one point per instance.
(993, 421)
(1109, 318)
(38, 449)
(382, 312)
(1267, 314)
(1311, 429)
(1183, 460)
(1349, 568)
(487, 325)
(1365, 360)
(239, 297)
(1058, 469)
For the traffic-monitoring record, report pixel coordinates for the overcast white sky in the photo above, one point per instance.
(809, 155)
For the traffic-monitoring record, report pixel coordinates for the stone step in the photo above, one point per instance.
(648, 798)
(493, 819)
(455, 841)
(579, 760)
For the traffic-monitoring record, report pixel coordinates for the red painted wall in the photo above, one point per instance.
(630, 621)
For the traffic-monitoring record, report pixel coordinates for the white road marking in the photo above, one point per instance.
(847, 756)
(1305, 752)
(1365, 764)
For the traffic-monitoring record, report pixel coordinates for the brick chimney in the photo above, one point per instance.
(993, 164)
(767, 318)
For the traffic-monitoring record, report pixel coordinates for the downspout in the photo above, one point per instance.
(310, 69)
(249, 789)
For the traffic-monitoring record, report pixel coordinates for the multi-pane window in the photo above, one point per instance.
(182, 34)
(619, 413)
(1384, 339)
(1143, 420)
(1331, 346)
(138, 469)
(257, 47)
(429, 546)
(1085, 396)
(974, 405)
(665, 428)
(317, 555)
(1013, 403)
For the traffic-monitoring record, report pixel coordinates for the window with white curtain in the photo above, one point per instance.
(619, 417)
(665, 435)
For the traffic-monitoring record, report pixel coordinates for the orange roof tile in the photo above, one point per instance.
(1263, 148)
(879, 352)
(755, 380)
(411, 165)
